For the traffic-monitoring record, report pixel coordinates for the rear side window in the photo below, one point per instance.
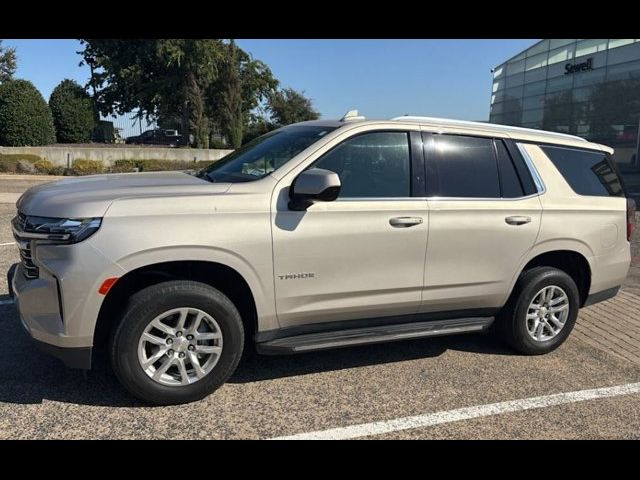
(461, 166)
(511, 184)
(587, 172)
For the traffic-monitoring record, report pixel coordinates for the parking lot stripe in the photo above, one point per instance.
(438, 418)
(9, 243)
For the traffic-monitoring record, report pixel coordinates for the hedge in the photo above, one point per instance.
(25, 118)
(74, 117)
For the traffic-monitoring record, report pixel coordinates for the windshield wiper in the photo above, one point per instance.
(205, 176)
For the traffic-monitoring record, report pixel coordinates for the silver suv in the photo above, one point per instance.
(319, 235)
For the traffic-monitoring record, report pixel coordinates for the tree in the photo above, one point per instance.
(196, 81)
(7, 63)
(289, 106)
(243, 85)
(156, 77)
(25, 118)
(74, 116)
(230, 100)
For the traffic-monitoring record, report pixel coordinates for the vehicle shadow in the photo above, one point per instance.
(28, 376)
(254, 367)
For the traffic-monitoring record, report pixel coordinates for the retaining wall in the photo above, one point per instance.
(65, 155)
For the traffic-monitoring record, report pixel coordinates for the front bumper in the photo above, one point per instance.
(41, 318)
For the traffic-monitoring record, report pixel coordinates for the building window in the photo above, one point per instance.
(559, 83)
(515, 67)
(589, 78)
(561, 54)
(532, 116)
(560, 42)
(537, 61)
(535, 88)
(620, 42)
(533, 102)
(514, 80)
(624, 71)
(586, 47)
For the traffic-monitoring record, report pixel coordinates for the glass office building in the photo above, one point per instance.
(589, 88)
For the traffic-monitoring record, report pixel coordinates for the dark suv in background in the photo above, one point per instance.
(158, 136)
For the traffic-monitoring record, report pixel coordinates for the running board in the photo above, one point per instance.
(368, 335)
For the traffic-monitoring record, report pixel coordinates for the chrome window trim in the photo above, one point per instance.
(481, 199)
(378, 199)
(537, 180)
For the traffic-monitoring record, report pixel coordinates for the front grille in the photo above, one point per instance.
(29, 269)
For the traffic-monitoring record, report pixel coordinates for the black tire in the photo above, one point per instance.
(152, 301)
(511, 323)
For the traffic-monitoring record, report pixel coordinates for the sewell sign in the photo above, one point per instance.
(570, 68)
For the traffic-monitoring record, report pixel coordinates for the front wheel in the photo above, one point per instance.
(541, 312)
(178, 341)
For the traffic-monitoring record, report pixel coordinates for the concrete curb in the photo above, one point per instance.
(11, 198)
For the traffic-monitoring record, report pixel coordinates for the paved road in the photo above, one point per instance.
(384, 386)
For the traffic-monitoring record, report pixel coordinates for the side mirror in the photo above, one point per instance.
(313, 185)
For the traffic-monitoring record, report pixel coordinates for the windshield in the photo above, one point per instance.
(263, 155)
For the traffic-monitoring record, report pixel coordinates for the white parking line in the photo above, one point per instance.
(438, 418)
(9, 243)
(7, 302)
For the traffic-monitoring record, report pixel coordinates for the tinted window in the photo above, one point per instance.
(511, 186)
(586, 172)
(462, 167)
(371, 165)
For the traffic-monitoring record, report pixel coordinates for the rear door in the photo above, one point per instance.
(484, 217)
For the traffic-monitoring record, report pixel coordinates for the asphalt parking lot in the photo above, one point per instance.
(450, 387)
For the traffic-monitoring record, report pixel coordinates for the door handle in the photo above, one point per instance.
(517, 220)
(404, 222)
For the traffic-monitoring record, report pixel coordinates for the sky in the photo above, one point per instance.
(380, 78)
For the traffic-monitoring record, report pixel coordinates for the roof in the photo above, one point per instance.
(517, 133)
(513, 131)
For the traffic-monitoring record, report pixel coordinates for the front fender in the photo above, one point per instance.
(257, 276)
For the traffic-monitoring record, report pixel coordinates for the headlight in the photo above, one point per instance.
(67, 230)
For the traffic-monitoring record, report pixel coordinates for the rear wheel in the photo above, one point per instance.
(541, 312)
(178, 341)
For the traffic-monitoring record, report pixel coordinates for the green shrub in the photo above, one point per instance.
(74, 117)
(8, 165)
(9, 161)
(44, 166)
(81, 166)
(123, 166)
(25, 118)
(157, 165)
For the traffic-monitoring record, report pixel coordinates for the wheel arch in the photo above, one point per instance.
(572, 258)
(219, 275)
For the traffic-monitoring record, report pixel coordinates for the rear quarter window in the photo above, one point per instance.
(587, 172)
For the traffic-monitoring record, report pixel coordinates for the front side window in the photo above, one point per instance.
(263, 155)
(587, 172)
(373, 164)
(461, 166)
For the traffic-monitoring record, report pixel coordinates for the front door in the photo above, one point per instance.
(361, 255)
